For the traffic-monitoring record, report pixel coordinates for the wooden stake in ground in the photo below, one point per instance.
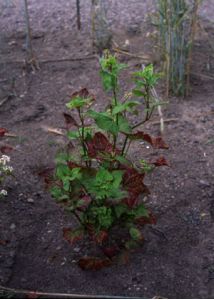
(101, 33)
(78, 14)
(31, 60)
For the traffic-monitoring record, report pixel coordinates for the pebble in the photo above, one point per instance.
(76, 249)
(204, 183)
(12, 226)
(30, 200)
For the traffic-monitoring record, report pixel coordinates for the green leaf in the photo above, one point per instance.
(62, 170)
(73, 135)
(75, 173)
(117, 176)
(73, 235)
(66, 184)
(58, 194)
(103, 175)
(104, 121)
(102, 215)
(146, 77)
(131, 244)
(138, 93)
(127, 106)
(77, 102)
(62, 158)
(110, 69)
(107, 80)
(140, 211)
(121, 159)
(135, 233)
(146, 166)
(106, 185)
(120, 209)
(124, 125)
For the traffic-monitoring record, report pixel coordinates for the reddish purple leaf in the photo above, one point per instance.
(47, 175)
(99, 144)
(86, 200)
(159, 143)
(101, 237)
(72, 235)
(93, 263)
(156, 142)
(111, 251)
(72, 165)
(6, 149)
(83, 93)
(132, 200)
(4, 242)
(2, 131)
(91, 230)
(70, 121)
(124, 257)
(161, 161)
(133, 181)
(147, 220)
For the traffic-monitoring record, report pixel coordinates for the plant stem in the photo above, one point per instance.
(124, 145)
(127, 149)
(148, 116)
(115, 103)
(77, 217)
(82, 134)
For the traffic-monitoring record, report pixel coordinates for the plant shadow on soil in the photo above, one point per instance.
(177, 260)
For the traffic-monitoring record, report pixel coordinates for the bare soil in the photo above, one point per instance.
(177, 260)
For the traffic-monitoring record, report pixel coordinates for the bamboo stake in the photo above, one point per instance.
(47, 61)
(192, 37)
(145, 57)
(59, 295)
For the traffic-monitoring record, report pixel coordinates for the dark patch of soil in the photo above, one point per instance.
(177, 260)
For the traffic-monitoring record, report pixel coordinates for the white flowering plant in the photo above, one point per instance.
(5, 169)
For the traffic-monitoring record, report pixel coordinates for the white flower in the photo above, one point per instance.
(3, 193)
(10, 169)
(4, 159)
(7, 168)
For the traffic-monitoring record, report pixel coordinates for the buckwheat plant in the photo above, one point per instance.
(5, 171)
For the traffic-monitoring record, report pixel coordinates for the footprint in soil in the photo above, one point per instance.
(36, 115)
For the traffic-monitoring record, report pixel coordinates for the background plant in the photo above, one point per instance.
(177, 27)
(94, 179)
